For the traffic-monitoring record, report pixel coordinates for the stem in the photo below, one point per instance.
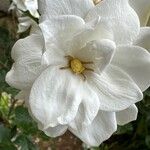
(12, 107)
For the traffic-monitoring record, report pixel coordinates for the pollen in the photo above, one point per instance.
(77, 66)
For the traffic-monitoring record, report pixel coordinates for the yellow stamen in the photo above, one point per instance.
(77, 66)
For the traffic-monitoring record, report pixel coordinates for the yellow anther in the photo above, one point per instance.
(77, 66)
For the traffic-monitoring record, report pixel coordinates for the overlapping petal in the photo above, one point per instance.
(142, 8)
(119, 18)
(125, 116)
(143, 39)
(32, 6)
(49, 8)
(136, 62)
(27, 55)
(99, 52)
(62, 93)
(27, 5)
(116, 90)
(103, 126)
(58, 30)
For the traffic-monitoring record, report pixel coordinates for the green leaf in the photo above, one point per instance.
(25, 143)
(4, 38)
(124, 129)
(24, 121)
(7, 146)
(147, 141)
(4, 134)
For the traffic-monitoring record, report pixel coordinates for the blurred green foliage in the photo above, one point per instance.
(18, 130)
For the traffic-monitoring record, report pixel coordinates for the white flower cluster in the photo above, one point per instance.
(84, 66)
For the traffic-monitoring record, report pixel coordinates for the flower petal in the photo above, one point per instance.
(142, 8)
(103, 126)
(119, 18)
(51, 8)
(116, 90)
(125, 116)
(32, 6)
(55, 131)
(136, 62)
(58, 30)
(143, 38)
(27, 56)
(99, 52)
(55, 93)
(90, 103)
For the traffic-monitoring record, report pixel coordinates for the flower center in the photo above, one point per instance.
(76, 66)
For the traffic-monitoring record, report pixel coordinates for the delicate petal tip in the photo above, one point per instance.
(125, 116)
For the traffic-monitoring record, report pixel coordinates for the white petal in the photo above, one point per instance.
(55, 131)
(51, 8)
(136, 62)
(99, 52)
(125, 116)
(118, 17)
(103, 126)
(32, 6)
(54, 56)
(20, 5)
(26, 23)
(58, 30)
(27, 56)
(142, 8)
(90, 103)
(116, 90)
(143, 39)
(56, 93)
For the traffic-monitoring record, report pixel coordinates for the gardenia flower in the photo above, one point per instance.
(25, 22)
(26, 5)
(143, 10)
(83, 71)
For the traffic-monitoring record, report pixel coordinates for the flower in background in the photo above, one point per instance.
(25, 23)
(84, 71)
(26, 5)
(21, 7)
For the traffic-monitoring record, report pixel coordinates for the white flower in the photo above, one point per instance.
(82, 72)
(26, 5)
(25, 22)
